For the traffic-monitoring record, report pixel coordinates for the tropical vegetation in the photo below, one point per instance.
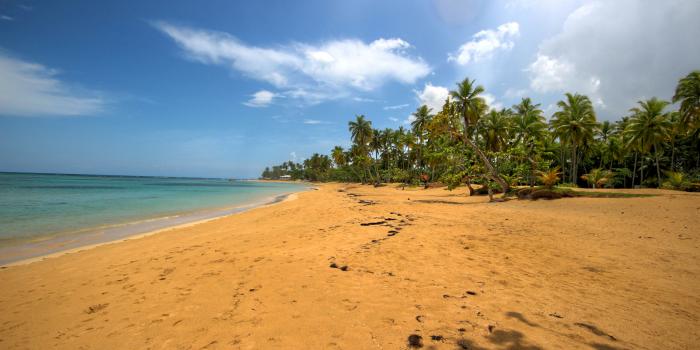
(657, 144)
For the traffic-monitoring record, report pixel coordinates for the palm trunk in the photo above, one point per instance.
(573, 164)
(658, 170)
(634, 171)
(673, 155)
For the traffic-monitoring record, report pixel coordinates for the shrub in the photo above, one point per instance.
(598, 177)
(549, 177)
(676, 181)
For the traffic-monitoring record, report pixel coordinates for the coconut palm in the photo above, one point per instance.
(649, 127)
(421, 117)
(494, 128)
(338, 155)
(574, 124)
(471, 107)
(529, 122)
(688, 94)
(360, 131)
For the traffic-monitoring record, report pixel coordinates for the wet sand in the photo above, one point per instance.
(356, 267)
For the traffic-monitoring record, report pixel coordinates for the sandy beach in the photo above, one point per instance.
(357, 267)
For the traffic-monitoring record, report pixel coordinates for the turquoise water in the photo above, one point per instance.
(39, 206)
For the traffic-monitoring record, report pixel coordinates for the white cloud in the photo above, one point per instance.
(432, 96)
(619, 52)
(410, 119)
(293, 155)
(326, 70)
(394, 119)
(515, 93)
(313, 121)
(30, 89)
(389, 108)
(6, 18)
(262, 98)
(491, 101)
(486, 42)
(363, 99)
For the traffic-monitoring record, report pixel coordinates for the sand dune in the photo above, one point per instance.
(354, 267)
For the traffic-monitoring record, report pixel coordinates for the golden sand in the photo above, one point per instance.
(582, 273)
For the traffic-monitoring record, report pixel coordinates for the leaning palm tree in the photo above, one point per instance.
(471, 107)
(688, 94)
(574, 124)
(649, 127)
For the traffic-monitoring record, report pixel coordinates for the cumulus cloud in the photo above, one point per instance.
(486, 42)
(491, 101)
(325, 70)
(31, 89)
(432, 96)
(262, 98)
(313, 121)
(619, 52)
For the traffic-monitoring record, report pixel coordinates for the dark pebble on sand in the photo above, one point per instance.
(334, 265)
(437, 337)
(471, 292)
(344, 268)
(462, 330)
(415, 341)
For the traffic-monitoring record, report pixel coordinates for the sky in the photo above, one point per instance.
(225, 88)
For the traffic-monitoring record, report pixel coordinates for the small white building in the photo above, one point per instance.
(286, 177)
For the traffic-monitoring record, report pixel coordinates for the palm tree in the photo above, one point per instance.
(649, 127)
(338, 155)
(360, 130)
(422, 118)
(361, 133)
(528, 122)
(494, 128)
(471, 107)
(574, 124)
(528, 126)
(688, 94)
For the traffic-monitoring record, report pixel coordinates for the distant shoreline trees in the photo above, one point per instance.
(466, 143)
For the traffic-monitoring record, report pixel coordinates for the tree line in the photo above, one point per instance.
(656, 144)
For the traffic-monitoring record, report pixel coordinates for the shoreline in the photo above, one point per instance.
(82, 247)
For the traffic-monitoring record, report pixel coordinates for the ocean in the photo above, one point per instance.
(46, 213)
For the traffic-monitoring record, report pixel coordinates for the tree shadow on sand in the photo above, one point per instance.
(518, 316)
(511, 340)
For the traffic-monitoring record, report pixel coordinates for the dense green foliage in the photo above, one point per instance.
(466, 143)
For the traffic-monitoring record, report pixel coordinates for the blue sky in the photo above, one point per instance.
(222, 89)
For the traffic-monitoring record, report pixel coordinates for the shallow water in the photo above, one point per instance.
(36, 208)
